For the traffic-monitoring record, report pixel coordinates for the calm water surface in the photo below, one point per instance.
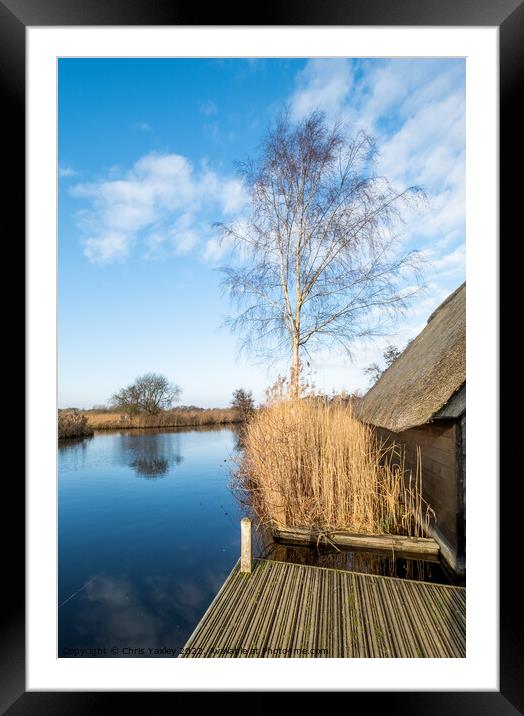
(148, 531)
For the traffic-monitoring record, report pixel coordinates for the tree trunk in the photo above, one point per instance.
(295, 368)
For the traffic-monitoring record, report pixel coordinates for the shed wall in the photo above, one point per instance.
(440, 446)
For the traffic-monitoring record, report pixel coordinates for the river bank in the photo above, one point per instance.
(72, 425)
(178, 418)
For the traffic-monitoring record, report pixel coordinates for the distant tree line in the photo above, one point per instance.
(153, 393)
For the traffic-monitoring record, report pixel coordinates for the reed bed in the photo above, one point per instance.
(166, 419)
(72, 424)
(309, 463)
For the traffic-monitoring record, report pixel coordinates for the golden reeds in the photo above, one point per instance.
(307, 462)
(72, 424)
(165, 419)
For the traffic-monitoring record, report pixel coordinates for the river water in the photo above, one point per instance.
(149, 529)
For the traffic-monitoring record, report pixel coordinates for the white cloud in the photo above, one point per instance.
(233, 196)
(217, 247)
(208, 107)
(154, 245)
(184, 237)
(425, 148)
(144, 126)
(322, 84)
(66, 172)
(164, 195)
(454, 262)
(416, 111)
(215, 250)
(107, 247)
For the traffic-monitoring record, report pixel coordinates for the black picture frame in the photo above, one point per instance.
(508, 15)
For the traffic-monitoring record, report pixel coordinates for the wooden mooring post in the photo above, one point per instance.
(246, 552)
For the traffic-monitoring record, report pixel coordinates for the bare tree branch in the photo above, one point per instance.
(150, 393)
(320, 255)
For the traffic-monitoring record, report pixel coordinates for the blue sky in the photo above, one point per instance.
(146, 165)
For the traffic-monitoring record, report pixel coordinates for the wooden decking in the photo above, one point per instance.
(292, 610)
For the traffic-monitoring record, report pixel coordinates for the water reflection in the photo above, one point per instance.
(140, 560)
(387, 564)
(150, 455)
(73, 452)
(148, 617)
(111, 612)
(239, 433)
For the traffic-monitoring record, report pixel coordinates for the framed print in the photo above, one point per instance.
(248, 242)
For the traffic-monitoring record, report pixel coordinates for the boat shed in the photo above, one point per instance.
(420, 402)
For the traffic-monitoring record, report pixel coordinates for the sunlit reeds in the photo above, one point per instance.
(178, 418)
(307, 462)
(72, 424)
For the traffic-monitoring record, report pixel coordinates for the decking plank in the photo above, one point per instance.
(293, 610)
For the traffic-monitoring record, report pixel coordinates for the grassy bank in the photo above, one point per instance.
(180, 418)
(309, 463)
(72, 424)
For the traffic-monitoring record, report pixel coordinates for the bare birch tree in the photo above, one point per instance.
(319, 261)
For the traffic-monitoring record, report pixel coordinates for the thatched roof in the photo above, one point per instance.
(426, 375)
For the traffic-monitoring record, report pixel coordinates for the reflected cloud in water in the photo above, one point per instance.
(140, 560)
(159, 612)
